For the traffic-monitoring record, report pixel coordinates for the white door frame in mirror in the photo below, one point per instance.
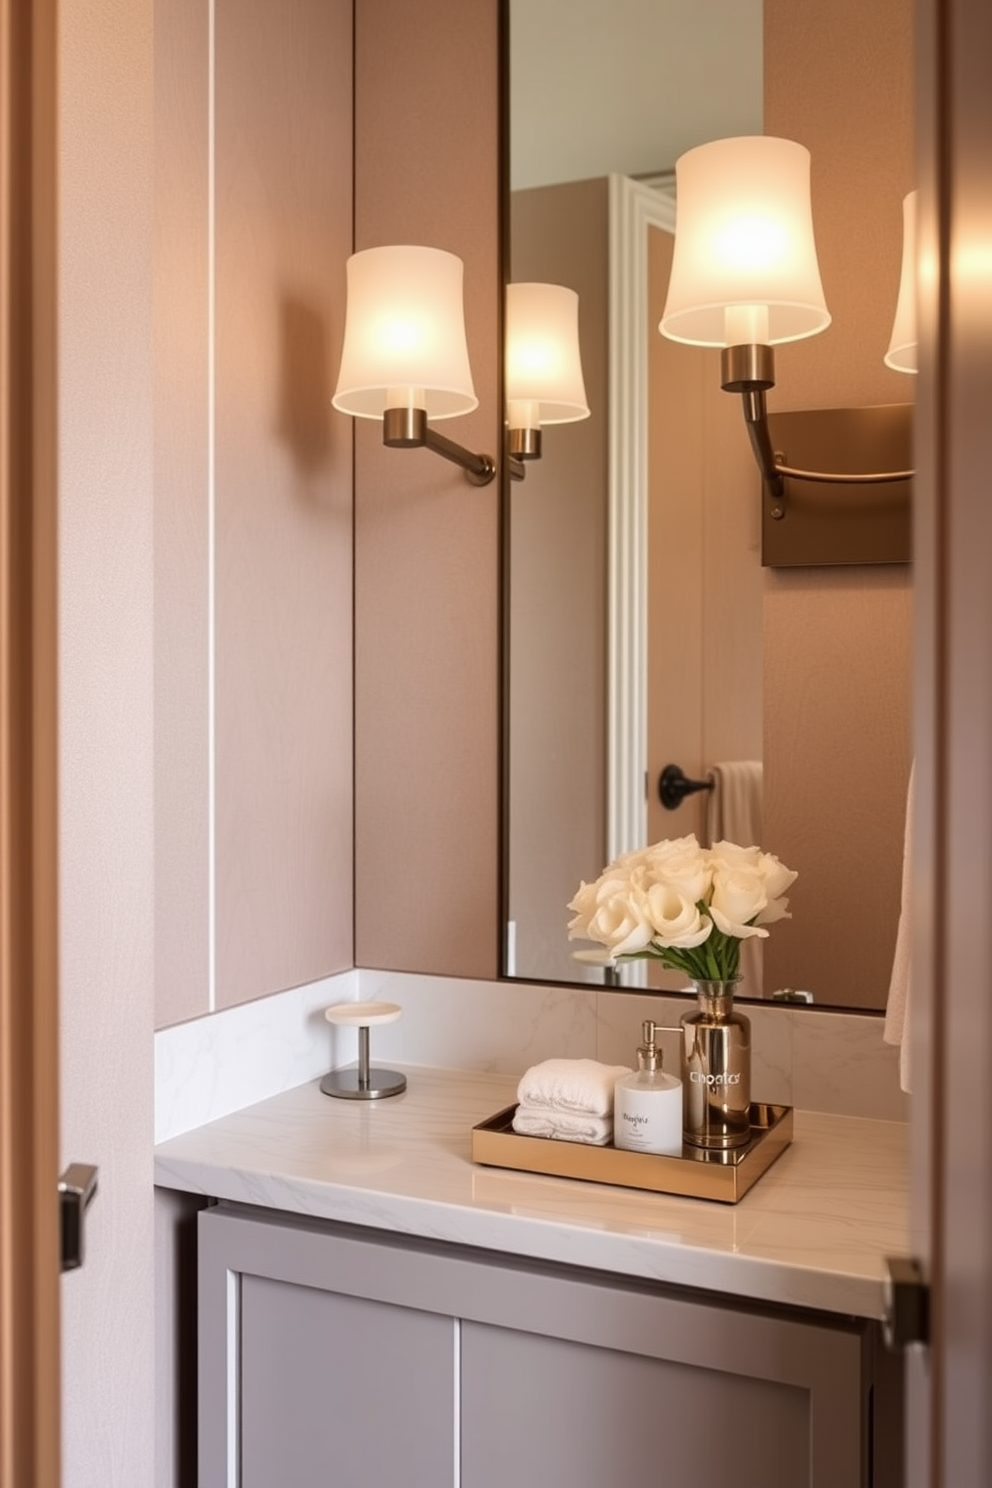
(634, 210)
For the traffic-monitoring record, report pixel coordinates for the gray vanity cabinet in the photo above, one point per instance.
(349, 1358)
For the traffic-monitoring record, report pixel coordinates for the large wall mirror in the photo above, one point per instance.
(641, 627)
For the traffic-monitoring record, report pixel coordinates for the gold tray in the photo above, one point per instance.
(698, 1174)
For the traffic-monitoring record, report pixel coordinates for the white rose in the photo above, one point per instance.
(683, 866)
(728, 855)
(584, 903)
(622, 923)
(612, 912)
(752, 865)
(777, 879)
(626, 863)
(738, 897)
(587, 902)
(676, 923)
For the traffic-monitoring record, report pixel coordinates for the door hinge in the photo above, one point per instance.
(907, 1303)
(77, 1186)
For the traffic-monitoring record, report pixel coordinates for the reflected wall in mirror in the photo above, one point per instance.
(667, 641)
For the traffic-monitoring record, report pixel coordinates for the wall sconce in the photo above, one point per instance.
(745, 277)
(543, 372)
(405, 357)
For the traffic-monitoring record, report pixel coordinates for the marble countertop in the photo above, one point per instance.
(813, 1232)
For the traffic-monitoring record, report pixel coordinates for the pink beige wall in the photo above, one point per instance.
(253, 534)
(558, 607)
(705, 699)
(426, 542)
(704, 568)
(839, 79)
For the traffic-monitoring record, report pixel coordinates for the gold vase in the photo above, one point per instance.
(716, 1069)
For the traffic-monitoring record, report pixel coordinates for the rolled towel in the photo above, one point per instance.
(578, 1085)
(562, 1126)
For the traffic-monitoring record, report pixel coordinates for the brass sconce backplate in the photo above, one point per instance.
(840, 524)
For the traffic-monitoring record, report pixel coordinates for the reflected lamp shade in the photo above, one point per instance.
(744, 270)
(901, 355)
(404, 337)
(543, 364)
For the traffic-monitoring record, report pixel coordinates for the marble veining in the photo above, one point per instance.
(210, 1066)
(813, 1232)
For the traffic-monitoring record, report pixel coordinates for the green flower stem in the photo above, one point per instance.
(716, 960)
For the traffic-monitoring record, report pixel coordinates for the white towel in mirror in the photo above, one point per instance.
(733, 814)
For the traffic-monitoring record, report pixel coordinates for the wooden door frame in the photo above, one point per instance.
(949, 1385)
(29, 1137)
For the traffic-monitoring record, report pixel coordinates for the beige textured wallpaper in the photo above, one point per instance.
(426, 542)
(839, 78)
(182, 448)
(253, 555)
(705, 580)
(283, 596)
(558, 616)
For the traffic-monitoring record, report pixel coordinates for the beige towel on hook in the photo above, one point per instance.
(897, 1030)
(733, 814)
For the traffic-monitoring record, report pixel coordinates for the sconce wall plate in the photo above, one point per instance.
(840, 524)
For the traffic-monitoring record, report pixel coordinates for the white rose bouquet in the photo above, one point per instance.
(687, 906)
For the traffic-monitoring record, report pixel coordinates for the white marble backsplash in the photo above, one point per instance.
(207, 1068)
(221, 1063)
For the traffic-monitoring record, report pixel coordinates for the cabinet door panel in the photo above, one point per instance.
(340, 1391)
(566, 1415)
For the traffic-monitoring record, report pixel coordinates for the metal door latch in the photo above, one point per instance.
(907, 1303)
(77, 1186)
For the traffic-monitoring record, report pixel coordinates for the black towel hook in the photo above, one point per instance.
(674, 786)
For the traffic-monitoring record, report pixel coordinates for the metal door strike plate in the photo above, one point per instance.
(907, 1303)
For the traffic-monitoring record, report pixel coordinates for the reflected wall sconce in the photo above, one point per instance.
(901, 355)
(543, 367)
(405, 357)
(745, 278)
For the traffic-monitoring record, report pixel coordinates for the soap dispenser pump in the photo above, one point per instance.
(647, 1104)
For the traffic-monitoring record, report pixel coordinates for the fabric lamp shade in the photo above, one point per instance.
(543, 364)
(404, 339)
(901, 355)
(745, 269)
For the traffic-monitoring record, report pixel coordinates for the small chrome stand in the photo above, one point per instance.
(363, 1083)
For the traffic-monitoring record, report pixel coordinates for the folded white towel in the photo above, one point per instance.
(562, 1126)
(578, 1085)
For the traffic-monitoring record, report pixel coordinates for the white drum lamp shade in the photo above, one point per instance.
(404, 340)
(543, 364)
(901, 355)
(745, 269)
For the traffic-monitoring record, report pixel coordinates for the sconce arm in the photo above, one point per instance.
(750, 371)
(407, 428)
(756, 420)
(480, 469)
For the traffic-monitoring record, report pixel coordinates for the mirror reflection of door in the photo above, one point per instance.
(832, 667)
(620, 536)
